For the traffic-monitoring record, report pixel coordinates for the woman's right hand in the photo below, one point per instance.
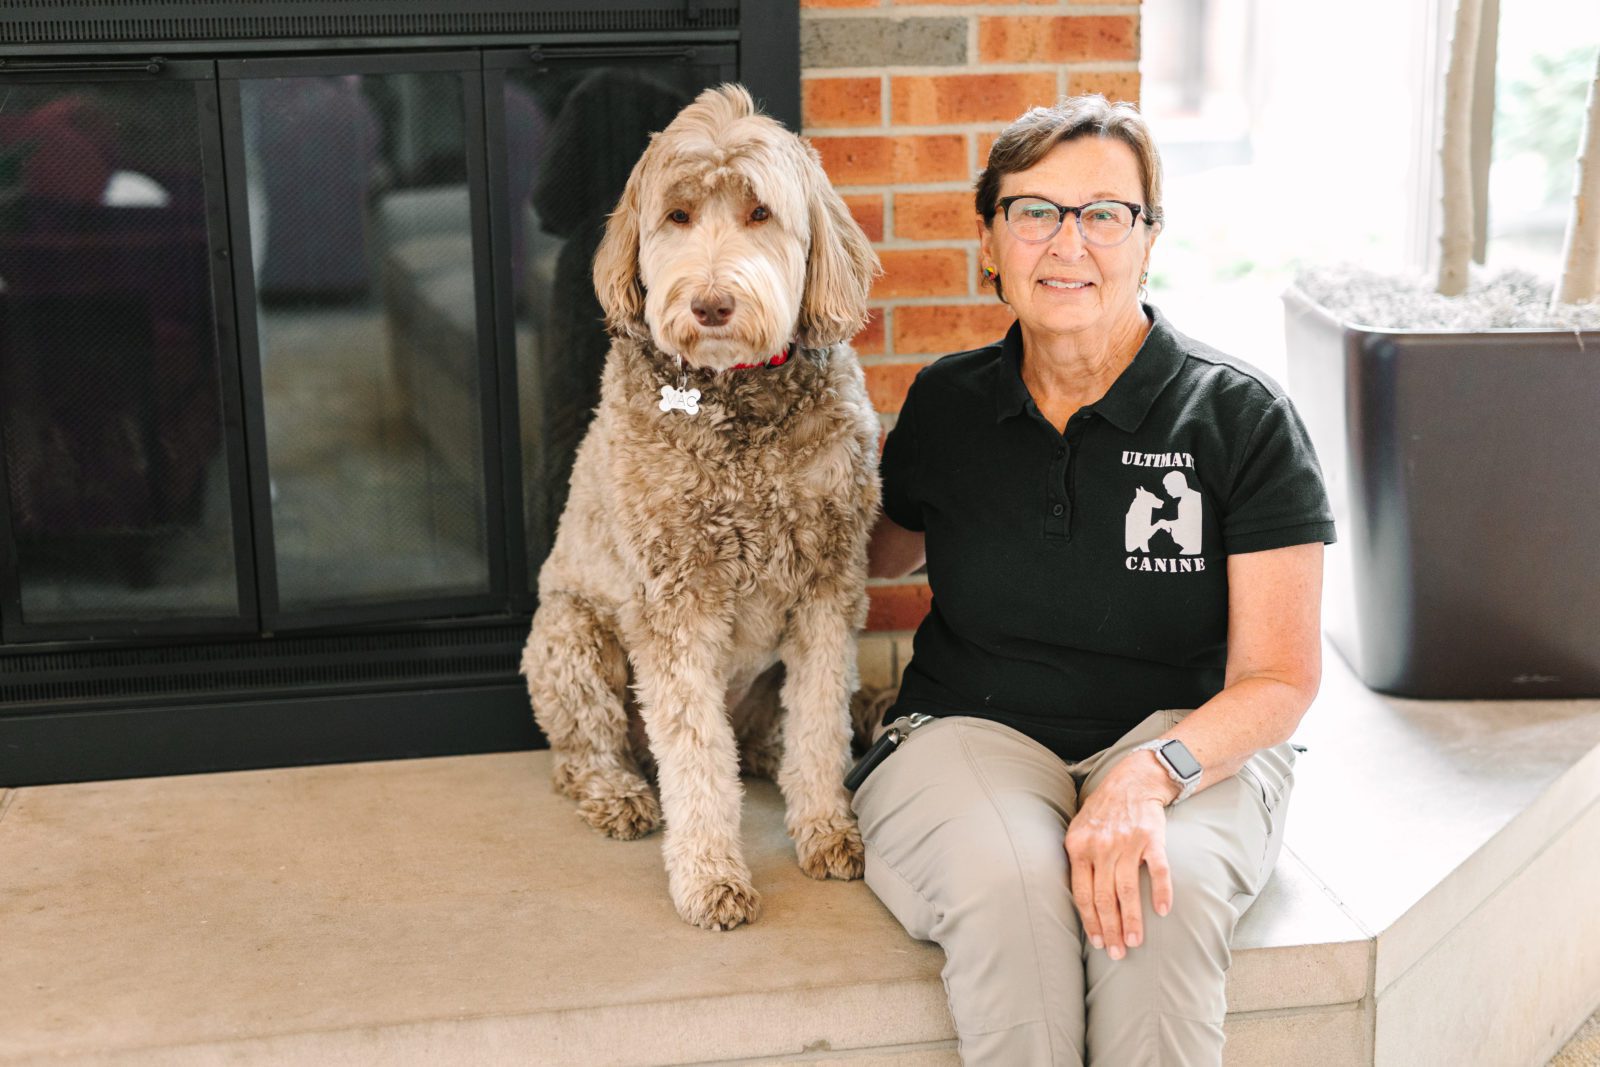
(894, 551)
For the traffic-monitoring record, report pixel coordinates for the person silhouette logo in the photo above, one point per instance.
(1186, 528)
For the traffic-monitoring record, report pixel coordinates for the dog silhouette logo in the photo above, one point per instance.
(1185, 529)
(1137, 527)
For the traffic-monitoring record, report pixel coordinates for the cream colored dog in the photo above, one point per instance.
(713, 548)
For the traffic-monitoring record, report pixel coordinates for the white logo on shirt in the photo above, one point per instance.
(1185, 530)
(1158, 459)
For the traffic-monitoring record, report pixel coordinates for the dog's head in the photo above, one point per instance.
(729, 242)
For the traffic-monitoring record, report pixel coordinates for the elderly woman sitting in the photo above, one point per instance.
(1123, 533)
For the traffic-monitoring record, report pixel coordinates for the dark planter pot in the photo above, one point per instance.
(1464, 470)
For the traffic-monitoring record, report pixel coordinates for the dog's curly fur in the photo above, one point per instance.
(717, 561)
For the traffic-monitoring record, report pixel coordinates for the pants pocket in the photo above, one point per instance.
(1271, 771)
(1257, 785)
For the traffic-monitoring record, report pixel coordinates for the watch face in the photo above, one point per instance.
(1177, 755)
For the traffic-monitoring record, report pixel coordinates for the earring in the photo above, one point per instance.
(1144, 294)
(988, 273)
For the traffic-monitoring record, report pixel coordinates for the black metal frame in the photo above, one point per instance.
(519, 589)
(75, 746)
(75, 712)
(189, 25)
(769, 58)
(768, 34)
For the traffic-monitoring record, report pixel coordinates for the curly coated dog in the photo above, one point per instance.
(710, 565)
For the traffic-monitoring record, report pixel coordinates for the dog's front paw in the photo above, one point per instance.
(623, 816)
(719, 905)
(830, 850)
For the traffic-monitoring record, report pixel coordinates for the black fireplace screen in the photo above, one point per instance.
(110, 371)
(370, 479)
(296, 344)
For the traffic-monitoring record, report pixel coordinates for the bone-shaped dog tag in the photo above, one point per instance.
(684, 400)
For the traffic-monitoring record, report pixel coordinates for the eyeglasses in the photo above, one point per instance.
(1104, 223)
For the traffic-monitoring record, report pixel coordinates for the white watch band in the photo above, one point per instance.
(1185, 788)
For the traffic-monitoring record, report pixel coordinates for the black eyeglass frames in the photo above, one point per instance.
(1103, 223)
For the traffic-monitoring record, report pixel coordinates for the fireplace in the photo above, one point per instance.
(297, 339)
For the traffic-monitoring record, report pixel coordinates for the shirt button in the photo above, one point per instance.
(1060, 452)
(1058, 509)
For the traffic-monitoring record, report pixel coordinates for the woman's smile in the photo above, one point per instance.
(1065, 286)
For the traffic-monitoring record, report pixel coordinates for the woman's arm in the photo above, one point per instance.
(894, 551)
(1274, 664)
(1273, 670)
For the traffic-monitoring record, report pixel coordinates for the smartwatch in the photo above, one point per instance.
(1180, 764)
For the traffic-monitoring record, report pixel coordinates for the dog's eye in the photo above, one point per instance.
(680, 216)
(760, 214)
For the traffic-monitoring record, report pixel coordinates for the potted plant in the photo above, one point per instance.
(1460, 434)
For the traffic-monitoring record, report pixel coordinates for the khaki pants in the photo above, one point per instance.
(964, 827)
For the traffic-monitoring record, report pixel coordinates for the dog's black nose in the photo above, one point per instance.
(714, 309)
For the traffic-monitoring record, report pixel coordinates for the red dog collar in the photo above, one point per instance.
(776, 361)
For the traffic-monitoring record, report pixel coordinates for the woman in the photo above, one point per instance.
(1102, 788)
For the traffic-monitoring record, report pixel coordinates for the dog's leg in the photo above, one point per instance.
(819, 655)
(681, 688)
(577, 673)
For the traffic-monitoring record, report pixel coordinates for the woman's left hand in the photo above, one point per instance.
(1121, 825)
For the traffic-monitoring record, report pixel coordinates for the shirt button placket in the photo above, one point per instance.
(1056, 520)
(1076, 427)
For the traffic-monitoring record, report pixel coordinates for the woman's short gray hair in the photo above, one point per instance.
(1030, 138)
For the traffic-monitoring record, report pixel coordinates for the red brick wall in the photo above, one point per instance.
(903, 98)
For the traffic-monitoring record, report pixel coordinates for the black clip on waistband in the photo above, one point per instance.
(897, 732)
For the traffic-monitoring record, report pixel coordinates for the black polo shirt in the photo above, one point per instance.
(1080, 580)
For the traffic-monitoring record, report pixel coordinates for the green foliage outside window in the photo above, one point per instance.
(1539, 110)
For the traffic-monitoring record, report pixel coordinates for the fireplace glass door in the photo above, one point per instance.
(364, 215)
(123, 494)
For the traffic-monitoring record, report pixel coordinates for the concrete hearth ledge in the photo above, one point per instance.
(457, 911)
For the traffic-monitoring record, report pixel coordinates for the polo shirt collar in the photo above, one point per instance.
(1130, 397)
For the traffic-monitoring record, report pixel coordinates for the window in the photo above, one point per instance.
(1543, 79)
(1296, 134)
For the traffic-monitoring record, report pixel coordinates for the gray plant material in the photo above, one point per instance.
(1512, 299)
(1580, 272)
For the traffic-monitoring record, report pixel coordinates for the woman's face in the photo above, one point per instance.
(1064, 285)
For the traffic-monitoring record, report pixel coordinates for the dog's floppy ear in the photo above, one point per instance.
(840, 266)
(616, 262)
